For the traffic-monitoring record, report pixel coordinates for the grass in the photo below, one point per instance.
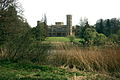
(57, 39)
(90, 63)
(60, 39)
(90, 59)
(30, 71)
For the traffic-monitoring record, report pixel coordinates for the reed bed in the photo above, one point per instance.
(87, 59)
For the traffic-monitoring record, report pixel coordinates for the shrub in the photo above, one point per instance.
(18, 47)
(118, 33)
(90, 35)
(71, 38)
(100, 39)
(114, 37)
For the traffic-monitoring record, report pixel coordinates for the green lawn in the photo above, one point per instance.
(25, 71)
(60, 39)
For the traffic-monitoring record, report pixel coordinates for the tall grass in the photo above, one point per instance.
(69, 55)
(88, 59)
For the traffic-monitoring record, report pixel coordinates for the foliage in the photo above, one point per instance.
(80, 32)
(35, 34)
(11, 24)
(71, 38)
(38, 32)
(13, 30)
(100, 26)
(118, 33)
(108, 26)
(114, 37)
(100, 39)
(18, 47)
(20, 42)
(80, 28)
(83, 25)
(90, 35)
(23, 71)
(25, 48)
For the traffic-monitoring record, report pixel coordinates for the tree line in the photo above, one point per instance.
(104, 31)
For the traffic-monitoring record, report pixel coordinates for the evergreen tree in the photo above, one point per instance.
(39, 32)
(100, 26)
(41, 28)
(12, 24)
(107, 30)
(12, 27)
(83, 25)
(108, 26)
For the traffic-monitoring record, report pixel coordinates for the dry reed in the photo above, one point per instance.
(88, 59)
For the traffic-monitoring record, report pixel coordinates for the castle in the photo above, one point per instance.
(61, 30)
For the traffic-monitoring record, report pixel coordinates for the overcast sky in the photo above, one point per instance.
(56, 10)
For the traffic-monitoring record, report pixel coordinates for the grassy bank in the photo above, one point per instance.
(30, 71)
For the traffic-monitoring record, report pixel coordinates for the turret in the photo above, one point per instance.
(69, 24)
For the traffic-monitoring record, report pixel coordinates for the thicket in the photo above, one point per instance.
(13, 27)
(17, 38)
(104, 32)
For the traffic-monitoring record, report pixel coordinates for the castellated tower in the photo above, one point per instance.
(69, 24)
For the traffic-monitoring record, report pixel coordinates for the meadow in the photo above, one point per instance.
(102, 59)
(59, 59)
(29, 71)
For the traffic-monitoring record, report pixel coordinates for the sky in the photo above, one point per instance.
(56, 10)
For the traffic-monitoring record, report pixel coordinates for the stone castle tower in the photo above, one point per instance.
(69, 24)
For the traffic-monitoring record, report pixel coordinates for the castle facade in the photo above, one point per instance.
(59, 29)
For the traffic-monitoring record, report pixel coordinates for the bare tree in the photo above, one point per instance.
(4, 4)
